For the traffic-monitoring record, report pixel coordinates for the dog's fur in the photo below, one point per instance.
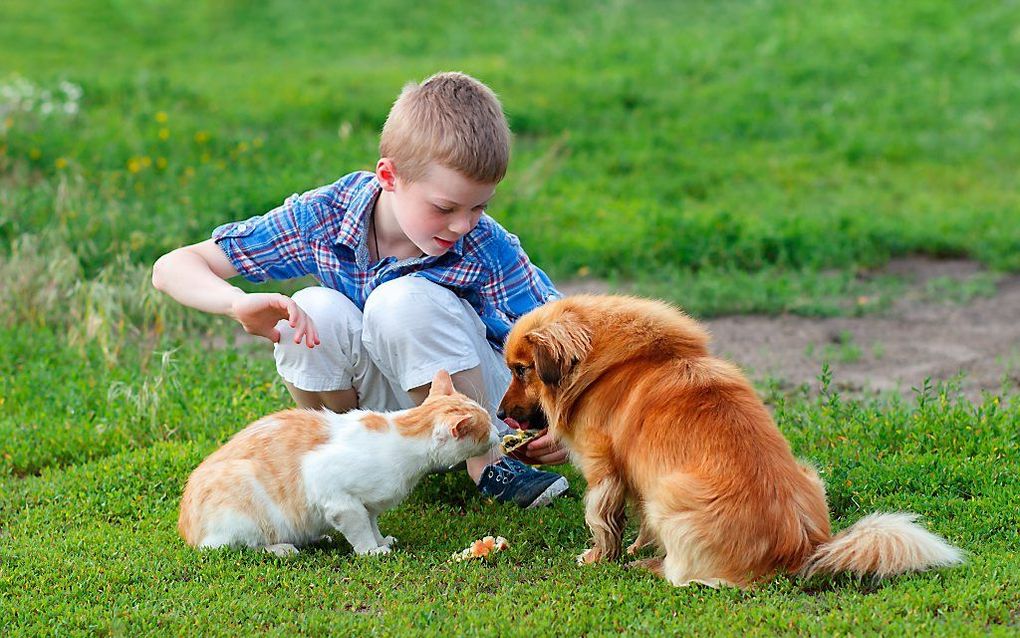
(649, 416)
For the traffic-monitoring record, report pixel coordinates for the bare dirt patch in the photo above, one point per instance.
(918, 337)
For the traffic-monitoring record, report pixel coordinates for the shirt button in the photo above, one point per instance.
(242, 227)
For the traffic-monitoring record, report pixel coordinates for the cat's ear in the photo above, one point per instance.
(442, 384)
(459, 428)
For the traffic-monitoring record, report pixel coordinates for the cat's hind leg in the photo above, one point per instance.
(283, 550)
(230, 528)
(351, 519)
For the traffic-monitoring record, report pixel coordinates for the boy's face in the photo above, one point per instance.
(437, 210)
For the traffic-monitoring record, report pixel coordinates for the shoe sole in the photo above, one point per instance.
(558, 487)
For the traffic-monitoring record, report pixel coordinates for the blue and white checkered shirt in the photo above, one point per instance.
(323, 233)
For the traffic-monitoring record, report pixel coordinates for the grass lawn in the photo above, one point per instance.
(88, 542)
(730, 156)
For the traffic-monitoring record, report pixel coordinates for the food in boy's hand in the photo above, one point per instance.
(482, 548)
(518, 439)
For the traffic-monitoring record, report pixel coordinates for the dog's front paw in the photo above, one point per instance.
(589, 556)
(382, 549)
(390, 541)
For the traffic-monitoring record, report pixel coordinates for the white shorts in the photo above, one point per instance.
(411, 328)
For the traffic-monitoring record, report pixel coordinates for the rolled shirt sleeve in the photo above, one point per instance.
(275, 245)
(515, 287)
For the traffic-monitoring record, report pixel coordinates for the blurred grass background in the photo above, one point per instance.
(651, 139)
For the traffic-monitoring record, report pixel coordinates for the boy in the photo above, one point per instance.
(414, 275)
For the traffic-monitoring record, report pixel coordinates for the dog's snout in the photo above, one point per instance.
(501, 414)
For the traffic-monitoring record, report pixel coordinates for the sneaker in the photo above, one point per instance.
(511, 481)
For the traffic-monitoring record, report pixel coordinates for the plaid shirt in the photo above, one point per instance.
(323, 233)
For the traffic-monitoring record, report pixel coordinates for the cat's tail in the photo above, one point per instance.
(882, 545)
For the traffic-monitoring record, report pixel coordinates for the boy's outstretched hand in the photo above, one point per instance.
(258, 313)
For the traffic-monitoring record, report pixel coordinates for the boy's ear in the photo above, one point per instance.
(442, 384)
(386, 173)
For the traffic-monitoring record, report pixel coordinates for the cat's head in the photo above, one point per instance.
(459, 425)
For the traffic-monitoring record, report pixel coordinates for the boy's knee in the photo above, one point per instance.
(324, 304)
(401, 307)
(330, 365)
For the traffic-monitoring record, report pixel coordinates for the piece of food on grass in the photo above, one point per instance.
(518, 439)
(482, 548)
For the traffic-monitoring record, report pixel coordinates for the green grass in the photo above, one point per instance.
(730, 136)
(731, 156)
(88, 542)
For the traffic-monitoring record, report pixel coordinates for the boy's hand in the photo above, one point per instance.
(258, 314)
(541, 451)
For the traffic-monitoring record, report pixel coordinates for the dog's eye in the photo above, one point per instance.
(519, 371)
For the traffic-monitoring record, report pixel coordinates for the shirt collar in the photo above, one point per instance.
(353, 231)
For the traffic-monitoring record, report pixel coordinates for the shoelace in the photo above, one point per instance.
(501, 473)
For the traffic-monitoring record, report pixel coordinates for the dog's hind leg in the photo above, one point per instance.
(653, 565)
(604, 513)
(644, 538)
(689, 561)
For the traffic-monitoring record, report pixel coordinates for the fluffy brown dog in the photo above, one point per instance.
(648, 415)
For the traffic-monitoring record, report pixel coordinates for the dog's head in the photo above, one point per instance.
(543, 351)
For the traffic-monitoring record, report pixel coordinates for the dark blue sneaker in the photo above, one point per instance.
(511, 481)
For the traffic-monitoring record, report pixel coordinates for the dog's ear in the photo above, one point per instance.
(558, 347)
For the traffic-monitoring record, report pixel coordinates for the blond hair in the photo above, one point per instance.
(452, 119)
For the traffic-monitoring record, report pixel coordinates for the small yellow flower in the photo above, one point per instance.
(146, 162)
(61, 163)
(162, 117)
(242, 147)
(257, 142)
(134, 165)
(160, 163)
(206, 157)
(164, 134)
(189, 172)
(136, 240)
(8, 122)
(201, 137)
(583, 271)
(35, 153)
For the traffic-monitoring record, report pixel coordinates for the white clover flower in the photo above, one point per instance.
(71, 90)
(18, 94)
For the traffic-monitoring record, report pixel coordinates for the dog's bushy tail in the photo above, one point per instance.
(882, 545)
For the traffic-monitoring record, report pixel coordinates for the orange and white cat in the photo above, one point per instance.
(292, 477)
